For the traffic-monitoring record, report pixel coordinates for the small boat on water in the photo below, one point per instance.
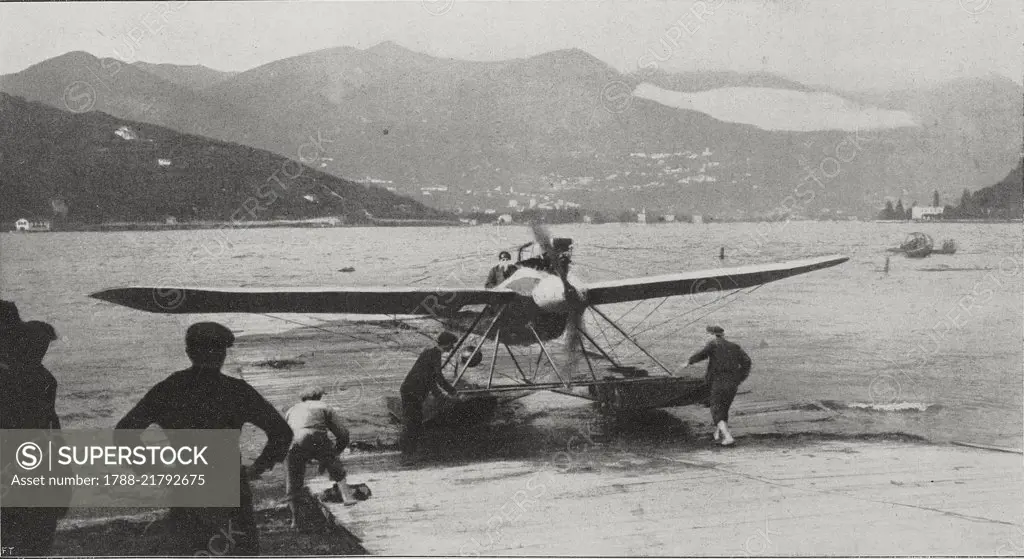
(916, 245)
(920, 245)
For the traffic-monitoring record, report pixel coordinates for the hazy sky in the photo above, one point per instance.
(857, 44)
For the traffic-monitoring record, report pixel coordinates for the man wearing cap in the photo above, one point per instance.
(424, 377)
(502, 271)
(311, 420)
(728, 367)
(30, 392)
(28, 397)
(202, 397)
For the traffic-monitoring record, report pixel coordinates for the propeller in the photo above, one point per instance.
(575, 301)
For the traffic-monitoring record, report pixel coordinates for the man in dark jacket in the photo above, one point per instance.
(202, 397)
(502, 271)
(424, 377)
(728, 367)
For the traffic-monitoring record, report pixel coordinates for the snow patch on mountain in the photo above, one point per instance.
(779, 109)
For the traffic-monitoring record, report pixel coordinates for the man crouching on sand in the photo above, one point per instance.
(311, 420)
(728, 367)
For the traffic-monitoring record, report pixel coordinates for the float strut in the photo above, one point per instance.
(516, 361)
(462, 340)
(599, 348)
(477, 348)
(494, 357)
(640, 347)
(544, 351)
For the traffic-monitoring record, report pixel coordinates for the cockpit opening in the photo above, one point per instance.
(532, 255)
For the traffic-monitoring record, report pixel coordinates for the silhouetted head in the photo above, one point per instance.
(717, 331)
(10, 320)
(31, 340)
(311, 393)
(446, 341)
(9, 317)
(207, 343)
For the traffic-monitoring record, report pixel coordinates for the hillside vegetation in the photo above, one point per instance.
(94, 168)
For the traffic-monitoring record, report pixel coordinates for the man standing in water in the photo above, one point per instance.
(728, 367)
(202, 397)
(424, 377)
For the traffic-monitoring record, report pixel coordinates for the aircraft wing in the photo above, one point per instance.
(690, 283)
(351, 300)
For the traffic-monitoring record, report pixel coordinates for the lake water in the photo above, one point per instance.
(935, 347)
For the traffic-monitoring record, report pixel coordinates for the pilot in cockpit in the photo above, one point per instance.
(502, 271)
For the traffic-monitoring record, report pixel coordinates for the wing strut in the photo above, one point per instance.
(634, 342)
(516, 361)
(601, 349)
(544, 352)
(476, 349)
(494, 358)
(458, 346)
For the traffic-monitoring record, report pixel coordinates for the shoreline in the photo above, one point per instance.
(227, 225)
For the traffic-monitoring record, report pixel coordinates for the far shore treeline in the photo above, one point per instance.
(1001, 201)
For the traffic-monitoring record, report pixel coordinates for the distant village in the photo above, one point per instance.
(554, 197)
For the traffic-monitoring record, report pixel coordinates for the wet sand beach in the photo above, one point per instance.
(768, 496)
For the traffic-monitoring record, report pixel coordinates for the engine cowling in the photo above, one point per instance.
(549, 293)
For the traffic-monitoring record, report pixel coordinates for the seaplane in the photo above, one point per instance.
(542, 301)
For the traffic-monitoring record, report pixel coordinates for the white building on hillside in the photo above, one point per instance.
(31, 226)
(920, 213)
(126, 133)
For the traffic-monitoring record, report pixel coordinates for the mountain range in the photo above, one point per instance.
(562, 128)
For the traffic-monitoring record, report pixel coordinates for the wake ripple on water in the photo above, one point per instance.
(895, 406)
